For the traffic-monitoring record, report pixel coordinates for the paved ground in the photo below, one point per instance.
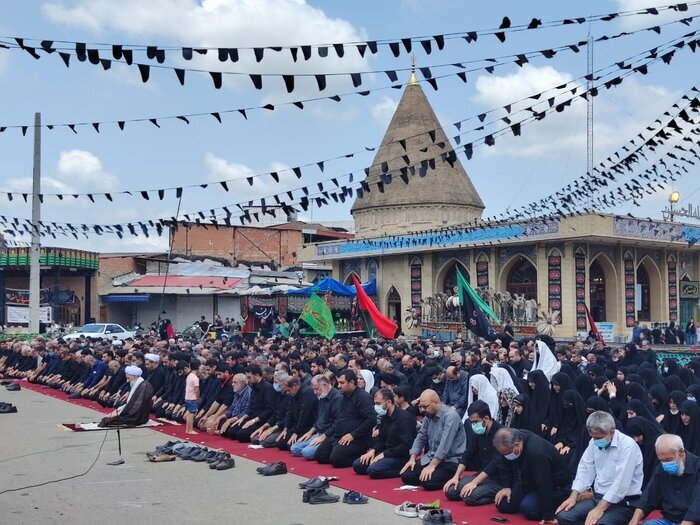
(33, 449)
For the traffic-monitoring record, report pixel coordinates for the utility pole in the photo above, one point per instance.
(35, 250)
(589, 115)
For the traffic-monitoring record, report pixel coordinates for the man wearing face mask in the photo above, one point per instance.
(535, 476)
(612, 463)
(329, 401)
(478, 489)
(390, 448)
(674, 488)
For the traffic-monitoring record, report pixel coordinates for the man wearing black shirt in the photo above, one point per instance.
(535, 476)
(352, 429)
(675, 486)
(301, 412)
(390, 449)
(480, 430)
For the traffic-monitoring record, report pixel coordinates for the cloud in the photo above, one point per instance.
(219, 169)
(619, 113)
(86, 169)
(228, 23)
(383, 110)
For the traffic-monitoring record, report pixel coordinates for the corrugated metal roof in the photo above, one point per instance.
(197, 281)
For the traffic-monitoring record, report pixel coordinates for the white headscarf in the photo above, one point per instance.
(545, 361)
(486, 393)
(369, 380)
(500, 379)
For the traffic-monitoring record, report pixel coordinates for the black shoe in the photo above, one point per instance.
(201, 456)
(315, 483)
(218, 459)
(13, 387)
(307, 494)
(226, 464)
(274, 469)
(217, 456)
(322, 496)
(11, 409)
(188, 451)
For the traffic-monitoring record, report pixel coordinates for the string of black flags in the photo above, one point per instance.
(638, 64)
(519, 59)
(428, 43)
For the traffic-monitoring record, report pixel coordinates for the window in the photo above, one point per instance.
(522, 279)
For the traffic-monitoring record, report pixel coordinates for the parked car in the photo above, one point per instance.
(101, 330)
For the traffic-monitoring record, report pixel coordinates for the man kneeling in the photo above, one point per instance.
(138, 402)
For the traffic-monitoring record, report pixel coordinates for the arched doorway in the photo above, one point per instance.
(449, 281)
(394, 306)
(597, 287)
(644, 291)
(348, 279)
(522, 279)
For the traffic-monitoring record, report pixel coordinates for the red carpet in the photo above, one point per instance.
(382, 490)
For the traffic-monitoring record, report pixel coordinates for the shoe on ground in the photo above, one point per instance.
(193, 453)
(422, 508)
(200, 456)
(307, 494)
(355, 498)
(161, 458)
(11, 409)
(226, 464)
(13, 387)
(407, 509)
(214, 456)
(437, 516)
(315, 483)
(322, 496)
(219, 459)
(274, 469)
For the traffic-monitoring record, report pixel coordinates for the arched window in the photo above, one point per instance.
(394, 306)
(449, 283)
(597, 286)
(522, 279)
(644, 314)
(348, 279)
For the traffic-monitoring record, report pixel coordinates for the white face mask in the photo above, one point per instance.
(673, 412)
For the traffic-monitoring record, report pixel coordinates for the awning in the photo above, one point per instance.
(131, 298)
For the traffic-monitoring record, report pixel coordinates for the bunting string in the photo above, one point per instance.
(290, 80)
(662, 53)
(428, 43)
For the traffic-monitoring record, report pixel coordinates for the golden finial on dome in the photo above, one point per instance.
(413, 81)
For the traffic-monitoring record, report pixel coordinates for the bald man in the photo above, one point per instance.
(443, 433)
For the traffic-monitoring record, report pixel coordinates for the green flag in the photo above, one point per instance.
(318, 316)
(464, 287)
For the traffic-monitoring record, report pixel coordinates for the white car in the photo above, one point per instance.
(102, 330)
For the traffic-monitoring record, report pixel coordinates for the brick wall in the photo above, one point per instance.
(238, 244)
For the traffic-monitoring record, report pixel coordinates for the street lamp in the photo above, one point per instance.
(673, 199)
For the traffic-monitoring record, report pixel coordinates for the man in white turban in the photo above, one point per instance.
(138, 403)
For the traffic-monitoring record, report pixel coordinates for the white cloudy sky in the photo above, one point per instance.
(550, 153)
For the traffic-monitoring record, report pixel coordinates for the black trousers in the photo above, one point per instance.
(340, 456)
(443, 472)
(243, 434)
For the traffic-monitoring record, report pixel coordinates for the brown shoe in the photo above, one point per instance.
(160, 458)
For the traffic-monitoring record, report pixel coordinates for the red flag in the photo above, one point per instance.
(594, 328)
(385, 326)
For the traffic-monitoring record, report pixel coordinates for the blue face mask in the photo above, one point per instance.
(671, 467)
(691, 398)
(380, 410)
(601, 443)
(512, 456)
(277, 387)
(478, 428)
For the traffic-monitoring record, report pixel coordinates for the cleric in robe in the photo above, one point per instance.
(138, 403)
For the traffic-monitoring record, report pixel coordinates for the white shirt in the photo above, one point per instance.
(615, 472)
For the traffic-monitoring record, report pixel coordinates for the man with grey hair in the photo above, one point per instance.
(534, 476)
(675, 486)
(612, 463)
